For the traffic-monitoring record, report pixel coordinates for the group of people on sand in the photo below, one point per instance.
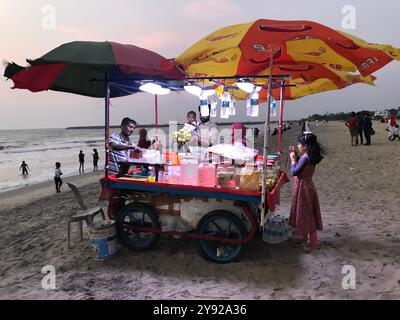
(360, 126)
(81, 158)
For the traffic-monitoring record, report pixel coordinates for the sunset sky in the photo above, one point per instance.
(169, 27)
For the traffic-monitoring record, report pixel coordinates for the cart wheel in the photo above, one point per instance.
(221, 224)
(139, 215)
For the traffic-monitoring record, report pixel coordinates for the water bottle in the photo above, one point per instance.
(254, 103)
(214, 106)
(152, 175)
(232, 108)
(225, 104)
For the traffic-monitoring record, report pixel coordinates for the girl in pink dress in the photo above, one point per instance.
(305, 213)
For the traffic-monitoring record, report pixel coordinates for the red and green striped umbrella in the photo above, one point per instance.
(81, 67)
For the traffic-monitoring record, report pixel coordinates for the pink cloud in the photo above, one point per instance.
(207, 7)
(158, 40)
(79, 33)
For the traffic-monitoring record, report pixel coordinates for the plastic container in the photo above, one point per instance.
(250, 178)
(226, 176)
(189, 171)
(103, 240)
(173, 174)
(207, 174)
(151, 177)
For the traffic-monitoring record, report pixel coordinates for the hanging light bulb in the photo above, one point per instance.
(245, 86)
(209, 92)
(154, 88)
(192, 89)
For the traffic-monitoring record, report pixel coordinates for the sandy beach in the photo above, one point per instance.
(358, 191)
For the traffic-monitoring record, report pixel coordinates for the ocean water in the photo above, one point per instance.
(42, 148)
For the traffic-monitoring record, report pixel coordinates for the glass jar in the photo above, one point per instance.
(207, 174)
(226, 175)
(250, 177)
(189, 171)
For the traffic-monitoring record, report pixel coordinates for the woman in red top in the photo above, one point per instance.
(351, 123)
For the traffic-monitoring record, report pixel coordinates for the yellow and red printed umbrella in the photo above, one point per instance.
(244, 49)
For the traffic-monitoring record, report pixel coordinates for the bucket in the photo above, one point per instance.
(103, 239)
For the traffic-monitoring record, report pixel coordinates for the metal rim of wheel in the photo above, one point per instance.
(223, 224)
(139, 215)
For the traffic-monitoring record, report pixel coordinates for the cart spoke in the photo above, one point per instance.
(218, 227)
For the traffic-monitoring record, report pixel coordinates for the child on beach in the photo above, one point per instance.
(24, 166)
(57, 177)
(191, 123)
(305, 214)
(395, 134)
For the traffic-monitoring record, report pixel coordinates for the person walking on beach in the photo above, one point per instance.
(81, 162)
(95, 160)
(367, 129)
(57, 177)
(360, 127)
(24, 168)
(351, 123)
(305, 214)
(396, 133)
(391, 124)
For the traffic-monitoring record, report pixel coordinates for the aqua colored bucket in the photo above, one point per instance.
(103, 240)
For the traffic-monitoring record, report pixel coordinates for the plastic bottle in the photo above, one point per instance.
(254, 104)
(152, 175)
(214, 107)
(232, 107)
(225, 104)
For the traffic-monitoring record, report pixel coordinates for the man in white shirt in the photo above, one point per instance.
(207, 133)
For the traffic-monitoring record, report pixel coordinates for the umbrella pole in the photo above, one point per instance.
(107, 126)
(267, 130)
(156, 113)
(282, 95)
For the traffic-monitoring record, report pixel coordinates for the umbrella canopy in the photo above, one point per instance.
(81, 67)
(315, 57)
(245, 50)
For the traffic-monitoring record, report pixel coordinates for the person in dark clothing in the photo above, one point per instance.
(24, 168)
(57, 177)
(367, 129)
(143, 142)
(95, 160)
(360, 126)
(81, 162)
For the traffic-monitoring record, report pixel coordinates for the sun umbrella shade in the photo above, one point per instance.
(80, 67)
(245, 50)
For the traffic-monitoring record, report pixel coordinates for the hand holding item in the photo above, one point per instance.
(136, 153)
(291, 149)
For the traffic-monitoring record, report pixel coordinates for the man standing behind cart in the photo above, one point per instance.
(120, 145)
(207, 133)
